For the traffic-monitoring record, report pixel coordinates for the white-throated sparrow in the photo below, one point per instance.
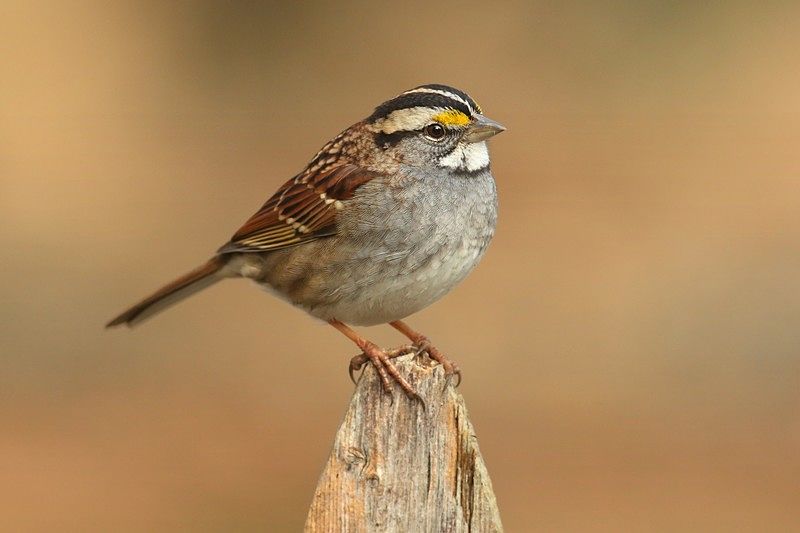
(388, 217)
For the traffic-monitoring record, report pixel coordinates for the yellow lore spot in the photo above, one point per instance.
(452, 117)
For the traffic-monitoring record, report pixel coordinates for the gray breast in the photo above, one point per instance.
(401, 245)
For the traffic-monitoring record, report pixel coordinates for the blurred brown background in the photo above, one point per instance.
(630, 343)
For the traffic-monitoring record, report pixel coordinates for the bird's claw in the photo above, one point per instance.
(387, 372)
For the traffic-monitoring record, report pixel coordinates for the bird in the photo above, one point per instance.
(385, 219)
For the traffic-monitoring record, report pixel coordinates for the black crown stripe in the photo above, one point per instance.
(405, 101)
(453, 90)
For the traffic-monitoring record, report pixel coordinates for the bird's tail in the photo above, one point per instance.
(188, 284)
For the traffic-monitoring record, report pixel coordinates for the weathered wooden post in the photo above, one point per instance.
(396, 466)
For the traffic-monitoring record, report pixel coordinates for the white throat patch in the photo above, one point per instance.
(467, 157)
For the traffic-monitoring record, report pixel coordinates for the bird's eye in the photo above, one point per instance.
(434, 131)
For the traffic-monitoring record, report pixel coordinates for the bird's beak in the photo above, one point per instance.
(482, 128)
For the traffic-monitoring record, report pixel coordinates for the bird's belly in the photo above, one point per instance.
(397, 291)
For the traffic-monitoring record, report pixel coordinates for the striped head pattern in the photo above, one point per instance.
(448, 122)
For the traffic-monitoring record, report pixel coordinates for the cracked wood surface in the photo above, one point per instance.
(398, 467)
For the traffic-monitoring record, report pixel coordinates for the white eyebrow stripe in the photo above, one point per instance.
(407, 119)
(443, 93)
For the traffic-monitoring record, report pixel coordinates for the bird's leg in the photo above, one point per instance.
(379, 358)
(423, 344)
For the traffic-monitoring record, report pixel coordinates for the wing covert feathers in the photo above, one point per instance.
(304, 208)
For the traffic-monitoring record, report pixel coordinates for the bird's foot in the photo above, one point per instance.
(358, 361)
(423, 344)
(382, 361)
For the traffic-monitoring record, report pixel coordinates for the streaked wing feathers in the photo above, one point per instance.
(304, 208)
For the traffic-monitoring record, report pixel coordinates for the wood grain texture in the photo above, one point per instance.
(398, 467)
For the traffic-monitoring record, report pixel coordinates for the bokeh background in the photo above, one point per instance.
(630, 343)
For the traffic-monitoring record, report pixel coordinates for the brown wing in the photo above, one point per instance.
(304, 208)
